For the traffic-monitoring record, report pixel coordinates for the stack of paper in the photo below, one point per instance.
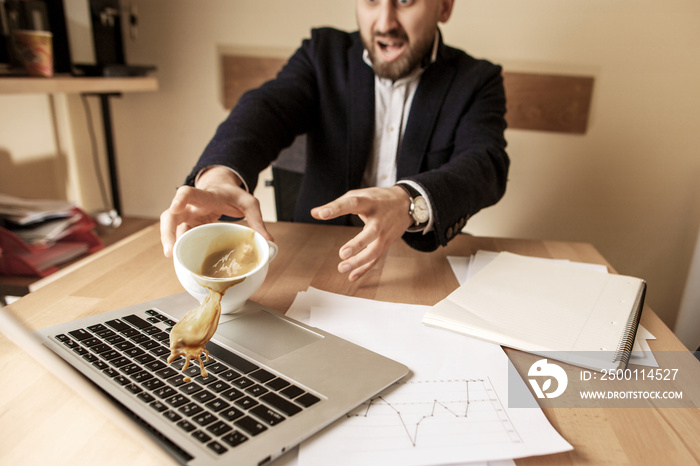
(569, 311)
(452, 409)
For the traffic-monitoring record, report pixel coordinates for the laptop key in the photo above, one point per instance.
(276, 401)
(256, 390)
(219, 428)
(231, 414)
(121, 380)
(177, 400)
(136, 321)
(232, 394)
(114, 339)
(292, 391)
(190, 409)
(190, 388)
(144, 358)
(277, 384)
(158, 406)
(100, 365)
(176, 381)
(101, 348)
(243, 382)
(124, 345)
(261, 375)
(160, 371)
(80, 334)
(269, 415)
(164, 392)
(141, 376)
(229, 375)
(205, 380)
(109, 372)
(109, 355)
(149, 344)
(307, 399)
(250, 425)
(118, 325)
(246, 402)
(186, 425)
(172, 416)
(218, 386)
(145, 397)
(216, 367)
(203, 396)
(217, 405)
(130, 369)
(134, 352)
(153, 384)
(133, 388)
(217, 448)
(204, 418)
(159, 351)
(91, 358)
(234, 439)
(161, 336)
(120, 361)
(201, 436)
(97, 328)
(92, 341)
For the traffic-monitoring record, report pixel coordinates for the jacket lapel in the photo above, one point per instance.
(427, 101)
(361, 115)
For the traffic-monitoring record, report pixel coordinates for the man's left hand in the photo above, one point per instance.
(384, 212)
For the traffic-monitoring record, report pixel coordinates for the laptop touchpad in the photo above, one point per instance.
(266, 334)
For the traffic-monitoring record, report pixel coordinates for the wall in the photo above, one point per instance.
(629, 185)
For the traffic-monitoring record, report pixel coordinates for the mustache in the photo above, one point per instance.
(391, 34)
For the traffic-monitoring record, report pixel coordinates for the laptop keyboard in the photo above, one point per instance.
(236, 401)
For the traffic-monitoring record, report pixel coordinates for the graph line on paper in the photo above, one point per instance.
(434, 414)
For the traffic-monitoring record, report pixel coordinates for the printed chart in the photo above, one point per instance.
(430, 414)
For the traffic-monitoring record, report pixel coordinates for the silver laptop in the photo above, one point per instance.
(272, 382)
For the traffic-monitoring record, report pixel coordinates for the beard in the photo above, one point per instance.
(411, 58)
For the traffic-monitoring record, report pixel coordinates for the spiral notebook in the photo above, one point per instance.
(551, 308)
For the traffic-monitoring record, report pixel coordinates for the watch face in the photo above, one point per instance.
(420, 211)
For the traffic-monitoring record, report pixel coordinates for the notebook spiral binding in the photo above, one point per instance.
(624, 347)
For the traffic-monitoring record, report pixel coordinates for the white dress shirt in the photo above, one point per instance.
(392, 104)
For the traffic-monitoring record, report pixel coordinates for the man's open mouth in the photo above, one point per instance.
(390, 48)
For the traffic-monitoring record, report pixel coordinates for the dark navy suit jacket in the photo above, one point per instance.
(453, 144)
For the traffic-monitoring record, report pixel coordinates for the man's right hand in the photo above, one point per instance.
(217, 192)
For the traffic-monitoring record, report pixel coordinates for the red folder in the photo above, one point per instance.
(20, 258)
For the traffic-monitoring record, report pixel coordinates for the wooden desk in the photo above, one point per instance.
(44, 421)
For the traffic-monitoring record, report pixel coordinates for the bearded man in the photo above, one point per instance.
(403, 133)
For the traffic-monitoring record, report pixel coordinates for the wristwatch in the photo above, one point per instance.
(418, 208)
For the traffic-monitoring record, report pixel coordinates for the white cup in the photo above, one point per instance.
(193, 247)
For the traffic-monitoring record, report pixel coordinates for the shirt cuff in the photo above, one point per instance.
(429, 227)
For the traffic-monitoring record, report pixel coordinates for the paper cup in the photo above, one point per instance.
(35, 51)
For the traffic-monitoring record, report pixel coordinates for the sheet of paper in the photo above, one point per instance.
(451, 409)
(466, 267)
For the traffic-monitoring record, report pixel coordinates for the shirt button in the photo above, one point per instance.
(390, 129)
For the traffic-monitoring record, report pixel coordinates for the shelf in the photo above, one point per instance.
(71, 84)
